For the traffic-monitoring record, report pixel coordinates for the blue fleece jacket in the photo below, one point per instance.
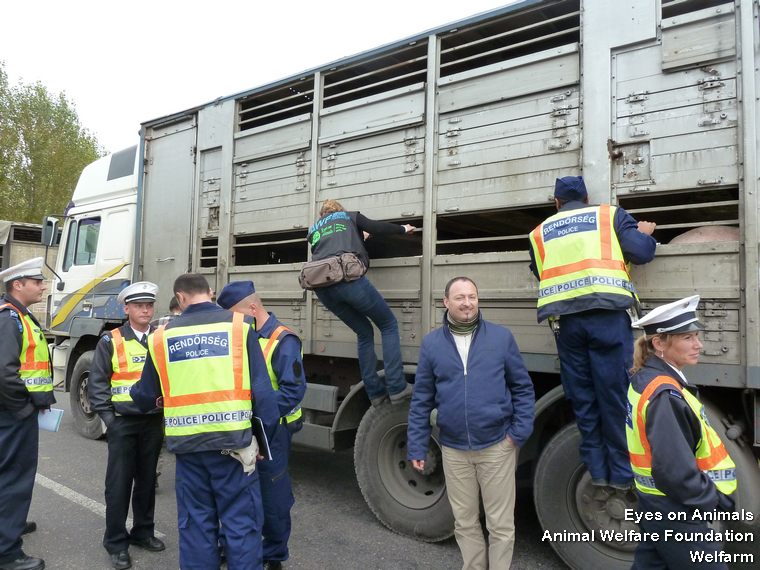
(478, 409)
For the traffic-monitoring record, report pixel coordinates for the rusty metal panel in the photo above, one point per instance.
(398, 280)
(507, 183)
(544, 71)
(271, 194)
(288, 136)
(276, 283)
(695, 160)
(639, 72)
(507, 153)
(210, 187)
(712, 269)
(673, 130)
(381, 175)
(699, 37)
(507, 291)
(678, 121)
(390, 110)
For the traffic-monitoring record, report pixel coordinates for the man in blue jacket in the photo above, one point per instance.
(471, 370)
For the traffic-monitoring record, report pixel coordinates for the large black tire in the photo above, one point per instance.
(86, 421)
(567, 502)
(746, 497)
(404, 500)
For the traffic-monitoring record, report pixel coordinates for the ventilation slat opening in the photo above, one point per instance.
(678, 212)
(492, 231)
(514, 35)
(396, 245)
(209, 252)
(383, 73)
(271, 248)
(671, 8)
(276, 104)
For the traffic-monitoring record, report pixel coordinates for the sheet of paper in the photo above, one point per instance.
(50, 420)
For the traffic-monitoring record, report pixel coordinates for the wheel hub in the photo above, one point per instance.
(84, 401)
(603, 509)
(402, 481)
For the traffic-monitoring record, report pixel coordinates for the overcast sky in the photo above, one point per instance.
(123, 63)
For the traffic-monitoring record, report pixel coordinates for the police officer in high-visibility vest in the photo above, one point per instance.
(206, 369)
(679, 463)
(282, 352)
(134, 437)
(580, 256)
(26, 387)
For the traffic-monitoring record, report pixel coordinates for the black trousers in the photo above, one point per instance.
(19, 445)
(134, 443)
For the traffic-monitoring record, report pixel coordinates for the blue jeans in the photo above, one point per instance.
(356, 303)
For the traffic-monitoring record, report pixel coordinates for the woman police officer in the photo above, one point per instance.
(681, 468)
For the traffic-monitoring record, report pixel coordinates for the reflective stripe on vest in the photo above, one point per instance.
(127, 362)
(204, 376)
(34, 359)
(711, 456)
(268, 346)
(578, 254)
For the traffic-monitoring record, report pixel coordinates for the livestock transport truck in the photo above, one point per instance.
(460, 131)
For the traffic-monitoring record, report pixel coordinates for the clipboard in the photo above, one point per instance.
(261, 438)
(50, 420)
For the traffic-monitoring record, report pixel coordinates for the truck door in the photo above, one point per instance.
(167, 219)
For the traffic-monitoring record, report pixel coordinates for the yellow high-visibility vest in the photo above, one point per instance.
(711, 456)
(268, 346)
(127, 362)
(34, 370)
(578, 256)
(205, 380)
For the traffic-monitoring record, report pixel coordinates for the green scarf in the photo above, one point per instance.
(462, 329)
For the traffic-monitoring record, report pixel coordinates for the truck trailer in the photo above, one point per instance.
(460, 131)
(20, 241)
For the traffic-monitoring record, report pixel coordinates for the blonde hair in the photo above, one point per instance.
(643, 349)
(330, 206)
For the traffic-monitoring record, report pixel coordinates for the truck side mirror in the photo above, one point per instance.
(49, 231)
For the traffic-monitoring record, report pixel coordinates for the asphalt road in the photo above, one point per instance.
(332, 526)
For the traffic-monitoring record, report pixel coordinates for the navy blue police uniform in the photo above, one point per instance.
(212, 487)
(19, 435)
(595, 348)
(276, 488)
(134, 444)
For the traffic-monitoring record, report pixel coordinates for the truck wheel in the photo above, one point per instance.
(86, 421)
(746, 497)
(566, 502)
(403, 499)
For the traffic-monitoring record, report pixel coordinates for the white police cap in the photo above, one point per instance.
(144, 291)
(30, 269)
(673, 318)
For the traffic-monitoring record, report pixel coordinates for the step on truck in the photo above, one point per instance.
(460, 131)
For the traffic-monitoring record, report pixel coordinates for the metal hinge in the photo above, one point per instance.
(561, 96)
(639, 132)
(710, 182)
(712, 82)
(559, 145)
(637, 96)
